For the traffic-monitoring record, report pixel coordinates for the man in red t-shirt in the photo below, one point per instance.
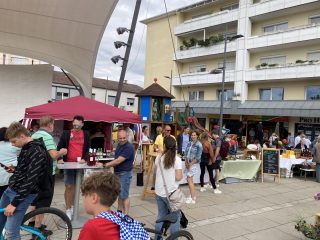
(100, 191)
(77, 142)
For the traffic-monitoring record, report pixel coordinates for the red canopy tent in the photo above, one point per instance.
(91, 110)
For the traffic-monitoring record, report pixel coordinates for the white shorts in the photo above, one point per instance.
(192, 171)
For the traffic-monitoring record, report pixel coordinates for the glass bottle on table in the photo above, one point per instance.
(91, 160)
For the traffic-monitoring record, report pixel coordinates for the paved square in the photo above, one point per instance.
(247, 210)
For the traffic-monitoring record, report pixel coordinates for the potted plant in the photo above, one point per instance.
(264, 65)
(181, 48)
(186, 44)
(308, 230)
(300, 61)
(193, 42)
(206, 42)
(213, 39)
(273, 65)
(201, 43)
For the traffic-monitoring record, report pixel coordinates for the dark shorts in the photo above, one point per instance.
(44, 199)
(216, 165)
(125, 181)
(69, 177)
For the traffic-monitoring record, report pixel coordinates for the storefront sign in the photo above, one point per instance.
(309, 120)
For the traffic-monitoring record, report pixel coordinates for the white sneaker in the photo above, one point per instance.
(217, 184)
(203, 189)
(69, 213)
(217, 191)
(190, 201)
(207, 185)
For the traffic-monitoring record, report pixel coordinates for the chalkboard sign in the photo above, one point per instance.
(270, 162)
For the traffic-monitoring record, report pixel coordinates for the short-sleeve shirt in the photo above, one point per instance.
(215, 144)
(75, 147)
(48, 142)
(159, 142)
(169, 175)
(125, 150)
(99, 229)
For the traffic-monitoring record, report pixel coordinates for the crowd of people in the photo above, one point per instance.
(29, 164)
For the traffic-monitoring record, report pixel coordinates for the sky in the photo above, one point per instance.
(122, 17)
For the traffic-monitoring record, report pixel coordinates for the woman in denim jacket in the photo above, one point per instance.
(192, 158)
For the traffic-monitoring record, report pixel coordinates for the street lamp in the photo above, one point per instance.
(121, 30)
(115, 59)
(119, 44)
(223, 70)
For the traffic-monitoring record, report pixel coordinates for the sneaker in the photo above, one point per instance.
(190, 201)
(207, 185)
(203, 189)
(217, 184)
(217, 191)
(69, 213)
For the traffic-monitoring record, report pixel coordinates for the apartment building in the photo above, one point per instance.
(272, 70)
(103, 90)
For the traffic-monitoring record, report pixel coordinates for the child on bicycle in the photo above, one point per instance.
(100, 190)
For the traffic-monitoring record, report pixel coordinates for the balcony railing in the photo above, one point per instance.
(302, 33)
(204, 51)
(207, 21)
(289, 71)
(202, 78)
(267, 6)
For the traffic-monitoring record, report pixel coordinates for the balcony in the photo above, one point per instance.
(292, 35)
(207, 21)
(268, 6)
(290, 71)
(204, 51)
(202, 78)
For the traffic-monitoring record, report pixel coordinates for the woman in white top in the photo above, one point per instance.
(172, 172)
(145, 134)
(8, 156)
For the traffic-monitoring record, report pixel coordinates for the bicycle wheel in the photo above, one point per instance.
(55, 225)
(182, 234)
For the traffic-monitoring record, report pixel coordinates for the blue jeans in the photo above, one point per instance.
(14, 222)
(318, 172)
(125, 181)
(163, 210)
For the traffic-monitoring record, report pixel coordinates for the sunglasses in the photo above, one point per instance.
(168, 130)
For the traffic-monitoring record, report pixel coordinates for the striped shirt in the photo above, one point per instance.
(32, 163)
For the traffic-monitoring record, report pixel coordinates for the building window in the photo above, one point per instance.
(228, 94)
(314, 20)
(275, 27)
(229, 65)
(197, 68)
(268, 94)
(62, 93)
(230, 7)
(19, 60)
(313, 93)
(281, 60)
(200, 15)
(196, 95)
(130, 102)
(313, 55)
(111, 100)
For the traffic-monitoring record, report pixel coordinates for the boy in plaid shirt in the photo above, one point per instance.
(100, 190)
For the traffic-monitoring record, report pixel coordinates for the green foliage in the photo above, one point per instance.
(300, 61)
(193, 42)
(308, 230)
(181, 48)
(273, 65)
(264, 64)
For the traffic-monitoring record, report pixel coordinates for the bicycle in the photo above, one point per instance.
(167, 221)
(55, 225)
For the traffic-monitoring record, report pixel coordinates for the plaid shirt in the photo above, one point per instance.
(193, 151)
(129, 228)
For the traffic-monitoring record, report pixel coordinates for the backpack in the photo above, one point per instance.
(224, 149)
(129, 228)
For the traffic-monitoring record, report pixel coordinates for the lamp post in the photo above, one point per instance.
(223, 69)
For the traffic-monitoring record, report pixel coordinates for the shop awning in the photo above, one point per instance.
(63, 33)
(294, 108)
(90, 109)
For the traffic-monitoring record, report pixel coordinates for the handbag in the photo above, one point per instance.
(176, 199)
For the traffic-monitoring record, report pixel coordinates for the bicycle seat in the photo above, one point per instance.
(171, 218)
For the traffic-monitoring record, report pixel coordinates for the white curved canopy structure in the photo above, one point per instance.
(65, 33)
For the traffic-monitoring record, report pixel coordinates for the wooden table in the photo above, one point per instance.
(145, 152)
(146, 191)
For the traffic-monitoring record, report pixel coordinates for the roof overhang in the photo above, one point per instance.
(63, 33)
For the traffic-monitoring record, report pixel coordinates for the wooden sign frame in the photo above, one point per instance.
(275, 175)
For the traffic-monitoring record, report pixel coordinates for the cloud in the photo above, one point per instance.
(122, 17)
